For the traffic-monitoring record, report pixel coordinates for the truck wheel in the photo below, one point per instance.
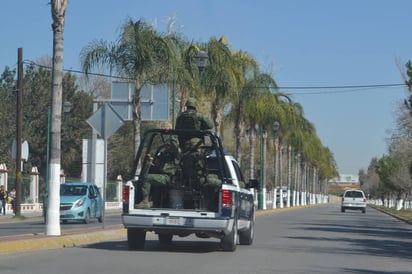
(136, 238)
(342, 209)
(165, 238)
(246, 237)
(229, 241)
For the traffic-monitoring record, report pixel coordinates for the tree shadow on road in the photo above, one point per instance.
(177, 246)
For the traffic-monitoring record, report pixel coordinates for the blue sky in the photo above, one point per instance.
(304, 43)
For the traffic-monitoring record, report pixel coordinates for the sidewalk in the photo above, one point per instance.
(70, 238)
(9, 217)
(29, 215)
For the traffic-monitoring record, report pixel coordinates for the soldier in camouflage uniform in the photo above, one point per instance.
(191, 119)
(161, 167)
(194, 157)
(210, 189)
(196, 174)
(193, 162)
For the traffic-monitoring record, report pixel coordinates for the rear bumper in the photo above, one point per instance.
(178, 224)
(353, 206)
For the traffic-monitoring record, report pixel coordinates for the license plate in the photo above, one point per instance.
(173, 221)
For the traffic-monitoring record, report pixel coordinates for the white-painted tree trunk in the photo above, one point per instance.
(53, 207)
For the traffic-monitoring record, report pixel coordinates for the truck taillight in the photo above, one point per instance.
(227, 199)
(126, 192)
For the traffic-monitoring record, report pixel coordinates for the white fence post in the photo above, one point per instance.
(34, 185)
(119, 188)
(274, 198)
(3, 175)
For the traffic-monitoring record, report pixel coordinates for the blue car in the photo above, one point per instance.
(80, 202)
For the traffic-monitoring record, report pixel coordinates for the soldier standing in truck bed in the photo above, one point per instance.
(191, 119)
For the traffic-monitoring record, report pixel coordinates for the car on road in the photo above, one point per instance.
(80, 201)
(353, 199)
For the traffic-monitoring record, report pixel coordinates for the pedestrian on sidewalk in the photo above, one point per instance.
(3, 200)
(12, 197)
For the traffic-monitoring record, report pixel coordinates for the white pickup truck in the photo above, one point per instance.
(186, 210)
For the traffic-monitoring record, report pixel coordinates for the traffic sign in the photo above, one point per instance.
(105, 121)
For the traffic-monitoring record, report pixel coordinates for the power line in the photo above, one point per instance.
(78, 71)
(340, 91)
(331, 89)
(344, 86)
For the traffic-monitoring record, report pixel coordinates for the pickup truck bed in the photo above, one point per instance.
(230, 219)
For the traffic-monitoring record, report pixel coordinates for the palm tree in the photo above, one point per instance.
(246, 69)
(292, 138)
(187, 76)
(58, 11)
(258, 109)
(219, 78)
(140, 54)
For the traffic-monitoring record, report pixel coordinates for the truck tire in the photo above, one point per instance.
(165, 238)
(229, 241)
(246, 237)
(136, 238)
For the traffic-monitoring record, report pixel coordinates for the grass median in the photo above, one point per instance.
(403, 214)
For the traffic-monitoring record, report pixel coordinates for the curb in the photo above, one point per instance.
(391, 214)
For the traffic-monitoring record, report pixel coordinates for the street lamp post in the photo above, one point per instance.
(201, 60)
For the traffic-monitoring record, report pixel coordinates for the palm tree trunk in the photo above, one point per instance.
(252, 142)
(289, 174)
(239, 130)
(137, 119)
(263, 167)
(218, 116)
(58, 10)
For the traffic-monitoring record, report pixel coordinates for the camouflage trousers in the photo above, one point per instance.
(154, 183)
(210, 190)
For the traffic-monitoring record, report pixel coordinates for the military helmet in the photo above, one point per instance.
(191, 102)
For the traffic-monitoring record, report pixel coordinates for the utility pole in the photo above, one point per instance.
(19, 125)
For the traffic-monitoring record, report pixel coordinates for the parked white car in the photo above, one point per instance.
(353, 199)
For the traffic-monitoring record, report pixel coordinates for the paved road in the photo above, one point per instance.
(309, 240)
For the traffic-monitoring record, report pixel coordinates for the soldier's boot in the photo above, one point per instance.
(145, 203)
